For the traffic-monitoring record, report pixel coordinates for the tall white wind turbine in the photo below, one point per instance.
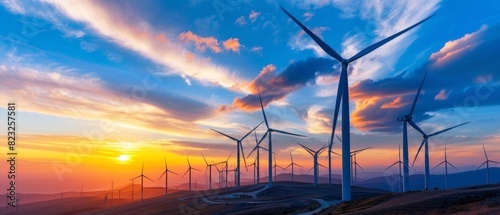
(142, 176)
(446, 163)
(166, 176)
(189, 170)
(315, 155)
(425, 142)
(487, 162)
(270, 148)
(343, 93)
(238, 148)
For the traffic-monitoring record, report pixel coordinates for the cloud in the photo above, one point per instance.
(275, 87)
(232, 44)
(256, 49)
(241, 21)
(455, 47)
(468, 80)
(202, 43)
(307, 16)
(63, 93)
(253, 16)
(303, 42)
(117, 23)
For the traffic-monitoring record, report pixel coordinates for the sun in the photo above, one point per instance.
(123, 158)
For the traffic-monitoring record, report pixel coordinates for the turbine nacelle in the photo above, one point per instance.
(405, 118)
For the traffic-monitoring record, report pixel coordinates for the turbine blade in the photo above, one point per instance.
(243, 153)
(338, 138)
(263, 112)
(232, 138)
(135, 177)
(416, 96)
(495, 162)
(229, 156)
(287, 166)
(316, 39)
(172, 172)
(439, 164)
(189, 164)
(415, 126)
(161, 175)
(338, 98)
(298, 165)
(261, 139)
(284, 132)
(481, 165)
(439, 132)
(485, 155)
(310, 169)
(251, 131)
(453, 166)
(321, 165)
(335, 153)
(307, 149)
(195, 169)
(384, 41)
(360, 150)
(204, 158)
(422, 144)
(254, 149)
(148, 178)
(392, 165)
(185, 172)
(360, 167)
(291, 158)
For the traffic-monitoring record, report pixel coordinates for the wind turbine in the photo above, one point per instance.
(445, 162)
(291, 164)
(166, 176)
(254, 168)
(257, 147)
(142, 176)
(330, 152)
(425, 142)
(399, 162)
(222, 170)
(238, 148)
(487, 162)
(343, 93)
(315, 155)
(270, 148)
(276, 166)
(355, 165)
(209, 167)
(189, 170)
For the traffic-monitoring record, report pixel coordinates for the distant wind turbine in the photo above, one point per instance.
(487, 162)
(222, 170)
(189, 170)
(445, 162)
(142, 176)
(238, 148)
(209, 168)
(355, 164)
(275, 167)
(343, 93)
(254, 170)
(292, 164)
(399, 163)
(270, 148)
(315, 155)
(425, 142)
(330, 152)
(256, 148)
(166, 176)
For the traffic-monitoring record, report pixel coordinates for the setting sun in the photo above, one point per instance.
(123, 158)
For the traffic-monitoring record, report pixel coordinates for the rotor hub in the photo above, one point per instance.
(405, 118)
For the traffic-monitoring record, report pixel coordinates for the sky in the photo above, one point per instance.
(104, 86)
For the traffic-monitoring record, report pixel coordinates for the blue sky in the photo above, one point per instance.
(167, 71)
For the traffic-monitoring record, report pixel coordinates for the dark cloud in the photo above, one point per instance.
(273, 87)
(466, 77)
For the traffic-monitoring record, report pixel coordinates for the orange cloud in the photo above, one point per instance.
(232, 44)
(253, 16)
(442, 95)
(161, 38)
(396, 103)
(202, 43)
(458, 46)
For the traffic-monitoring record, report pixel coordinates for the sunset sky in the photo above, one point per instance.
(102, 86)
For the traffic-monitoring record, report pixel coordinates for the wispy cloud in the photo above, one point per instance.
(254, 15)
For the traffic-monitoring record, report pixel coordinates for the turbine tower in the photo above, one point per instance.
(445, 162)
(142, 176)
(270, 148)
(291, 165)
(355, 165)
(166, 176)
(257, 149)
(189, 170)
(238, 148)
(315, 155)
(209, 167)
(425, 142)
(254, 170)
(276, 166)
(343, 93)
(487, 162)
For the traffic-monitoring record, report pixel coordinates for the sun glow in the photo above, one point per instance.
(123, 158)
